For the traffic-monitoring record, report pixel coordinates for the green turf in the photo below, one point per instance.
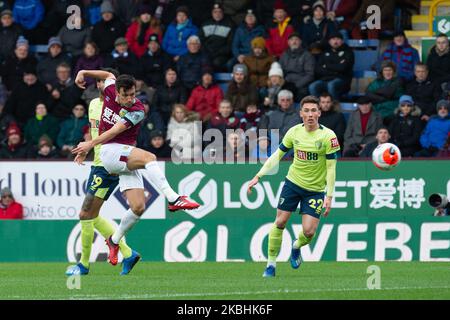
(158, 280)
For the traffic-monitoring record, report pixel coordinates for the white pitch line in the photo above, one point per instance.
(243, 293)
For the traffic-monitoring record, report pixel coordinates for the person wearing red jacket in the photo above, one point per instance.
(139, 31)
(205, 98)
(9, 208)
(277, 41)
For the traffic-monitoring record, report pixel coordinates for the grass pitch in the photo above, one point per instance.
(228, 281)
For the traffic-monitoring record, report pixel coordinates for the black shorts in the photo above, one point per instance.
(311, 202)
(101, 183)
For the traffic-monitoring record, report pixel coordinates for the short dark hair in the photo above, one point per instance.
(442, 35)
(325, 95)
(125, 81)
(383, 128)
(421, 64)
(309, 99)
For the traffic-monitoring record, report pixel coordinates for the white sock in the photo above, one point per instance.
(157, 178)
(127, 222)
(272, 263)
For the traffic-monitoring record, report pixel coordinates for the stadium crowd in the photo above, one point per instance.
(277, 52)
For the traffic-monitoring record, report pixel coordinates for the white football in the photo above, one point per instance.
(386, 156)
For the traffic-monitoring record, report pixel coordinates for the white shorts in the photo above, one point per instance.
(114, 157)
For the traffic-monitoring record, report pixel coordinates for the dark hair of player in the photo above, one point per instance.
(309, 99)
(125, 81)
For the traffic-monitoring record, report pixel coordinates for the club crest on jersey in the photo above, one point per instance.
(334, 143)
(122, 112)
(318, 145)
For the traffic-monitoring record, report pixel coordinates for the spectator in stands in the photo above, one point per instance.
(251, 118)
(235, 150)
(445, 152)
(216, 34)
(193, 64)
(275, 84)
(282, 119)
(362, 128)
(240, 91)
(9, 207)
(9, 33)
(45, 149)
(46, 68)
(153, 121)
(90, 60)
(42, 123)
(170, 93)
(236, 9)
(106, 31)
(64, 93)
(122, 59)
(331, 117)
(28, 13)
(12, 69)
(157, 145)
(341, 13)
(385, 91)
(14, 147)
(92, 11)
(382, 136)
(71, 132)
(360, 28)
(224, 119)
(258, 63)
(5, 118)
(143, 26)
(205, 98)
(406, 127)
(438, 60)
(243, 36)
(144, 92)
(199, 10)
(298, 66)
(155, 62)
(177, 33)
(279, 30)
(126, 10)
(73, 39)
(403, 55)
(334, 68)
(264, 9)
(317, 30)
(183, 131)
(436, 132)
(424, 92)
(264, 149)
(22, 102)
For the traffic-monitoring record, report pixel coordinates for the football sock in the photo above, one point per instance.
(127, 222)
(275, 239)
(87, 236)
(159, 180)
(106, 229)
(302, 240)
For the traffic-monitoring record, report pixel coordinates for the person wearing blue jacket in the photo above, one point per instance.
(243, 36)
(436, 132)
(28, 13)
(174, 41)
(71, 131)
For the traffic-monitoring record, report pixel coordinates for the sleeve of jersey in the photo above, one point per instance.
(133, 118)
(271, 163)
(332, 147)
(331, 176)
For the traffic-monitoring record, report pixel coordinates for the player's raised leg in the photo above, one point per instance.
(275, 241)
(141, 159)
(136, 200)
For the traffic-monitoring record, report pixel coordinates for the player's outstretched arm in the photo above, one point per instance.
(331, 179)
(270, 163)
(96, 74)
(86, 146)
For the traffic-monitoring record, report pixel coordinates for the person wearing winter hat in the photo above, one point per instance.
(13, 147)
(435, 135)
(140, 30)
(241, 92)
(316, 30)
(155, 62)
(9, 35)
(258, 63)
(298, 66)
(106, 7)
(275, 84)
(279, 30)
(9, 207)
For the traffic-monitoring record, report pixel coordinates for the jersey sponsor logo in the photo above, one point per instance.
(110, 116)
(304, 155)
(334, 143)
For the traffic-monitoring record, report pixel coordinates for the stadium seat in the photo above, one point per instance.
(222, 80)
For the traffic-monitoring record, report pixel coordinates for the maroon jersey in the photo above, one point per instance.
(113, 112)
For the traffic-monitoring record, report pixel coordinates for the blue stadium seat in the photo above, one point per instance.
(348, 106)
(39, 48)
(222, 80)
